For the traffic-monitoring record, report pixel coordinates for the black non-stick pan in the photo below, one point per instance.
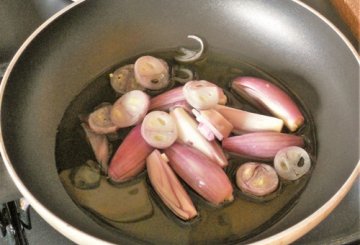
(285, 38)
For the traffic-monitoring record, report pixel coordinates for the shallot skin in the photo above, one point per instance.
(129, 158)
(264, 94)
(257, 178)
(168, 187)
(261, 145)
(200, 173)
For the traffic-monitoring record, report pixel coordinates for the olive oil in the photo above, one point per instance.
(134, 207)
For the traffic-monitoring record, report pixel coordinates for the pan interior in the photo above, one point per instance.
(141, 213)
(282, 38)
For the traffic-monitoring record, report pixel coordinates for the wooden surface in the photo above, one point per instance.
(349, 11)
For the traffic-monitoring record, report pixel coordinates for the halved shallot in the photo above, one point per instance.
(257, 179)
(189, 134)
(291, 163)
(129, 158)
(212, 123)
(100, 120)
(261, 145)
(159, 129)
(168, 187)
(123, 80)
(175, 97)
(201, 94)
(151, 72)
(168, 99)
(200, 173)
(130, 109)
(244, 121)
(264, 94)
(100, 146)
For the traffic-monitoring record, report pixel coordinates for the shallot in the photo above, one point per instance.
(212, 123)
(130, 109)
(261, 145)
(244, 121)
(129, 158)
(86, 176)
(165, 101)
(168, 187)
(201, 94)
(152, 73)
(189, 134)
(264, 94)
(257, 179)
(181, 74)
(123, 80)
(190, 55)
(175, 97)
(200, 173)
(100, 146)
(291, 163)
(159, 129)
(100, 120)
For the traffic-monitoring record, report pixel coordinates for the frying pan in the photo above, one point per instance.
(285, 38)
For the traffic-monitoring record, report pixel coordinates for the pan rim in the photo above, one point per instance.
(286, 236)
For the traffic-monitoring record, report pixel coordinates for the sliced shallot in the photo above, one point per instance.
(123, 80)
(191, 55)
(159, 129)
(181, 74)
(212, 123)
(257, 179)
(189, 134)
(86, 176)
(244, 121)
(200, 173)
(151, 72)
(266, 95)
(130, 109)
(100, 121)
(129, 158)
(261, 145)
(100, 146)
(291, 163)
(201, 94)
(168, 187)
